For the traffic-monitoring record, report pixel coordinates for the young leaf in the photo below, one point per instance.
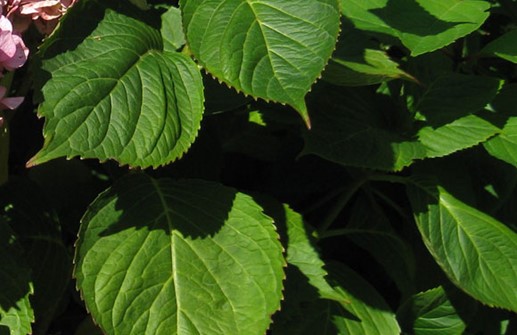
(190, 257)
(116, 95)
(272, 50)
(422, 26)
(16, 313)
(172, 30)
(430, 313)
(478, 253)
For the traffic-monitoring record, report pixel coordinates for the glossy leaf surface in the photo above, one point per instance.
(117, 95)
(478, 253)
(269, 49)
(191, 257)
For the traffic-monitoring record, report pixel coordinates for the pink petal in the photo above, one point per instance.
(11, 103)
(20, 57)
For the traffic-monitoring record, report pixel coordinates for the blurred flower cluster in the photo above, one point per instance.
(15, 17)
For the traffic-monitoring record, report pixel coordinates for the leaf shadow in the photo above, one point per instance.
(408, 16)
(172, 206)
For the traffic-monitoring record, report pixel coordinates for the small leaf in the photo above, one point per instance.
(269, 49)
(117, 95)
(504, 145)
(431, 313)
(190, 257)
(422, 26)
(15, 286)
(357, 61)
(478, 253)
(504, 46)
(172, 30)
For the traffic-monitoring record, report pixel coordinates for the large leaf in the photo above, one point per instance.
(269, 49)
(478, 253)
(191, 257)
(431, 313)
(421, 25)
(304, 313)
(16, 313)
(116, 94)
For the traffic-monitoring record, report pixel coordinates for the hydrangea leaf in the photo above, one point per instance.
(269, 49)
(422, 26)
(505, 47)
(304, 313)
(189, 257)
(16, 313)
(477, 252)
(113, 93)
(431, 313)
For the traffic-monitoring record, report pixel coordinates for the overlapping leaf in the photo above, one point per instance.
(303, 313)
(112, 93)
(421, 25)
(431, 313)
(359, 128)
(269, 49)
(504, 46)
(191, 257)
(478, 253)
(16, 313)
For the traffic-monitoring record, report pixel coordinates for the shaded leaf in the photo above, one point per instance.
(35, 224)
(272, 50)
(303, 313)
(358, 61)
(15, 285)
(422, 26)
(172, 30)
(430, 313)
(505, 47)
(478, 253)
(117, 95)
(158, 256)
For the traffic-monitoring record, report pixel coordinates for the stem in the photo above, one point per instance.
(390, 203)
(341, 202)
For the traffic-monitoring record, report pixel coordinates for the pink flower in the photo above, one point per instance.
(44, 13)
(13, 52)
(9, 103)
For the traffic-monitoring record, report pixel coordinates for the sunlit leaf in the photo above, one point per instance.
(269, 49)
(478, 253)
(190, 257)
(116, 94)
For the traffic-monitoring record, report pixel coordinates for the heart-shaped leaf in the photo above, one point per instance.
(269, 49)
(116, 94)
(191, 257)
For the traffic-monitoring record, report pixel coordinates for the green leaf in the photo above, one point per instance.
(422, 26)
(172, 30)
(431, 313)
(16, 312)
(31, 217)
(116, 95)
(190, 257)
(303, 313)
(357, 61)
(302, 254)
(477, 252)
(269, 49)
(504, 46)
(352, 127)
(504, 145)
